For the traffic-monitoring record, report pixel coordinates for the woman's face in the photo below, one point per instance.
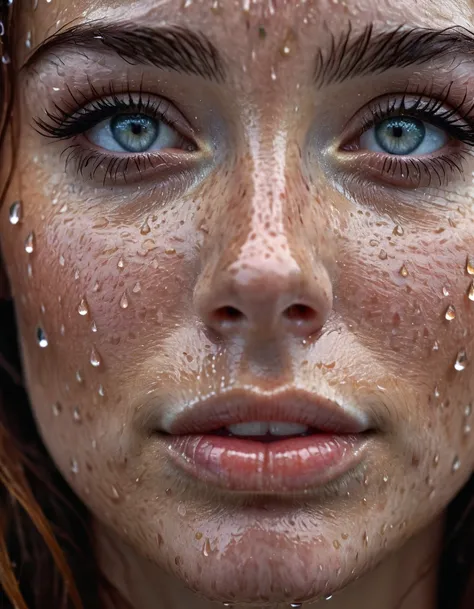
(248, 212)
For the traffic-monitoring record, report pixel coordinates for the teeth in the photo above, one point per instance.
(262, 428)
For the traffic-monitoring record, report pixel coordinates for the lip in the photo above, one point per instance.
(240, 406)
(287, 465)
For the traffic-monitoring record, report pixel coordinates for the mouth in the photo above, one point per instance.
(265, 443)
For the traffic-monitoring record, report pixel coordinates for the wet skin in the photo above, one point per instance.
(149, 280)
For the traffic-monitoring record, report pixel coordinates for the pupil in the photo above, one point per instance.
(397, 131)
(136, 129)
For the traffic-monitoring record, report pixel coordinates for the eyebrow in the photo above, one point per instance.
(170, 47)
(369, 52)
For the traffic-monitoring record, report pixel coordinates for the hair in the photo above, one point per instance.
(46, 551)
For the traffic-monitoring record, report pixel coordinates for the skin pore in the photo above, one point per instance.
(263, 247)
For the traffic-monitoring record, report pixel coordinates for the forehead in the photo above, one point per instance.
(229, 23)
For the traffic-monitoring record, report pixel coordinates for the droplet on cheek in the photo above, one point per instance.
(95, 359)
(450, 313)
(41, 338)
(461, 361)
(15, 213)
(83, 308)
(124, 301)
(30, 243)
(74, 466)
(76, 415)
(456, 464)
(57, 409)
(470, 265)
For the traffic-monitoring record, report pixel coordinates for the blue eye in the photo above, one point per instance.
(134, 133)
(403, 135)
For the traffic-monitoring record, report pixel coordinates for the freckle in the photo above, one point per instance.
(198, 535)
(30, 243)
(83, 308)
(124, 301)
(450, 313)
(15, 212)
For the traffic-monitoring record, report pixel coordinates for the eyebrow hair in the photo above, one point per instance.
(349, 56)
(169, 47)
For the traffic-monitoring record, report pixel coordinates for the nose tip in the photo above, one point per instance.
(267, 299)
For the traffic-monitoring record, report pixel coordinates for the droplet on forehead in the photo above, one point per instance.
(398, 230)
(41, 338)
(136, 288)
(120, 263)
(404, 271)
(30, 243)
(124, 301)
(15, 212)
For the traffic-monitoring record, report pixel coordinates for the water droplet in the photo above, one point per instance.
(436, 346)
(461, 360)
(206, 550)
(398, 230)
(30, 243)
(74, 466)
(404, 271)
(2, 29)
(470, 292)
(336, 544)
(436, 460)
(6, 58)
(76, 414)
(62, 330)
(41, 338)
(120, 263)
(328, 598)
(96, 287)
(83, 309)
(468, 410)
(15, 212)
(145, 228)
(61, 260)
(470, 265)
(467, 429)
(182, 509)
(137, 288)
(365, 538)
(95, 358)
(445, 291)
(124, 301)
(79, 378)
(101, 391)
(57, 409)
(296, 605)
(450, 313)
(456, 464)
(273, 74)
(385, 478)
(436, 392)
(115, 494)
(94, 327)
(383, 255)
(28, 40)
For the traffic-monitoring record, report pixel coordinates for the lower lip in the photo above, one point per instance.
(294, 464)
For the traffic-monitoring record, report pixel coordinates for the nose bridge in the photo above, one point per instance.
(261, 274)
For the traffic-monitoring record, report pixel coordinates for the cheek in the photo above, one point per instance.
(95, 299)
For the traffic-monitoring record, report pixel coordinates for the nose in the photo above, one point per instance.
(265, 294)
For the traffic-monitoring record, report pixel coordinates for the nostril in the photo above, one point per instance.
(300, 313)
(228, 315)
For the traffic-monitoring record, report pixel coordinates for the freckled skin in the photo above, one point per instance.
(264, 228)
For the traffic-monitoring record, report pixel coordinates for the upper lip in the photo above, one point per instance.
(241, 406)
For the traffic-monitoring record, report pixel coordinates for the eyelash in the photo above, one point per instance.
(457, 121)
(67, 123)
